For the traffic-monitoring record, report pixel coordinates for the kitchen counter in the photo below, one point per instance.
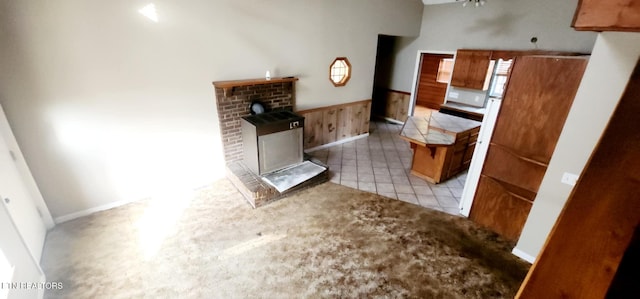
(443, 144)
(462, 110)
(436, 129)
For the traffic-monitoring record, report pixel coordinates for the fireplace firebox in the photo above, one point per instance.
(272, 141)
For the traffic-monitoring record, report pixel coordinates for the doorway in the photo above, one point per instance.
(431, 81)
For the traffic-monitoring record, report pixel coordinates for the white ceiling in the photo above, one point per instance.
(430, 2)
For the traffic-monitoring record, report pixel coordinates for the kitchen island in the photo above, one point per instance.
(442, 144)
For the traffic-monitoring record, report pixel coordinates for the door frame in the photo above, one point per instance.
(23, 168)
(23, 245)
(416, 74)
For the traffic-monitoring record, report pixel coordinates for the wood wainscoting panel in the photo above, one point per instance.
(502, 207)
(396, 104)
(329, 124)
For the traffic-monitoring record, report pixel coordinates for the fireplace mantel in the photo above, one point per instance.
(230, 84)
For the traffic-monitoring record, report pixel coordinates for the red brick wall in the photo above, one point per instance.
(235, 105)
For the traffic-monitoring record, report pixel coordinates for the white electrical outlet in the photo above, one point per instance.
(454, 95)
(569, 179)
(477, 99)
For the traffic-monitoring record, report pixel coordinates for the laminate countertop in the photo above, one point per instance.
(436, 129)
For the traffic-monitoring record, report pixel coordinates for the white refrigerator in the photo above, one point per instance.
(479, 155)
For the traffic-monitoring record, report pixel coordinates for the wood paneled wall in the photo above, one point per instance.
(334, 123)
(392, 104)
(431, 93)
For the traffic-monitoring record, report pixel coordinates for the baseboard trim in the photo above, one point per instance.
(319, 147)
(388, 119)
(523, 255)
(90, 211)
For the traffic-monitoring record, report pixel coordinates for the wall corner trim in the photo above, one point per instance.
(523, 255)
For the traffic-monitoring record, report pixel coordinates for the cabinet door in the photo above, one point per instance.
(537, 100)
(472, 69)
(610, 15)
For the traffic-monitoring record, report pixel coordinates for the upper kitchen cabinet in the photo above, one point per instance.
(607, 15)
(472, 69)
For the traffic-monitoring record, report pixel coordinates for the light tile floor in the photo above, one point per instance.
(381, 163)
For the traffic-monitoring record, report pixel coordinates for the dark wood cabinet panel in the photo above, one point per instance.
(507, 166)
(609, 15)
(600, 218)
(497, 206)
(472, 69)
(539, 95)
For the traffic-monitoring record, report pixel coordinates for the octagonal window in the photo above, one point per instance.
(340, 71)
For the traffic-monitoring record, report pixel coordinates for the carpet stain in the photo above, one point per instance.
(329, 241)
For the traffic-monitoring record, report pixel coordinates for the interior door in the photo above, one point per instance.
(430, 92)
(18, 201)
(16, 263)
(539, 94)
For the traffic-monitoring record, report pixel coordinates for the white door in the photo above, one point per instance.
(479, 155)
(16, 263)
(15, 195)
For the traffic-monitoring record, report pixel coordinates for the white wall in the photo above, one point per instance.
(610, 66)
(109, 106)
(499, 24)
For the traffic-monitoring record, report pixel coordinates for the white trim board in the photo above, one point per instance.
(320, 147)
(87, 212)
(416, 71)
(523, 255)
(25, 172)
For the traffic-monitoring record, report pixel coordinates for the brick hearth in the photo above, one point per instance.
(233, 99)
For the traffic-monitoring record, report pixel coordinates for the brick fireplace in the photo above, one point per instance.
(233, 99)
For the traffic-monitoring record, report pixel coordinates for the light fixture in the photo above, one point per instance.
(476, 3)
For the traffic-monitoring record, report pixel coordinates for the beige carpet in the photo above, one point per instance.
(329, 241)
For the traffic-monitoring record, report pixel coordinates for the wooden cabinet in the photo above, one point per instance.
(607, 15)
(538, 97)
(599, 220)
(461, 152)
(472, 69)
(443, 145)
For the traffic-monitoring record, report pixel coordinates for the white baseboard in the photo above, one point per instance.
(523, 255)
(388, 119)
(395, 121)
(90, 211)
(319, 147)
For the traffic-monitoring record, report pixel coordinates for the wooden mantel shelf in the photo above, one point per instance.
(230, 84)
